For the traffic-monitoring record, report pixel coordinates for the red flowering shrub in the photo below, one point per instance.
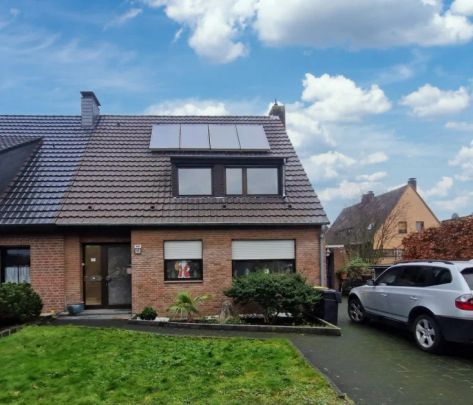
(453, 240)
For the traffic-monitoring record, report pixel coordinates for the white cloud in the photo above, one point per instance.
(123, 18)
(441, 188)
(360, 24)
(430, 101)
(188, 107)
(455, 204)
(462, 7)
(336, 98)
(327, 165)
(217, 26)
(460, 126)
(347, 190)
(464, 160)
(373, 158)
(374, 177)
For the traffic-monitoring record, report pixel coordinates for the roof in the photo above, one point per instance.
(8, 142)
(109, 176)
(373, 212)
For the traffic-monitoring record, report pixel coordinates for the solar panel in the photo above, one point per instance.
(252, 137)
(165, 136)
(223, 137)
(195, 136)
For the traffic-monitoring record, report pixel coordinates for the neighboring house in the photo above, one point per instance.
(120, 211)
(374, 228)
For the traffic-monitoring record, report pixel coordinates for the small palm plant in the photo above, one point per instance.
(186, 306)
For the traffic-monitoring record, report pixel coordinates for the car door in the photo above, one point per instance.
(415, 286)
(375, 299)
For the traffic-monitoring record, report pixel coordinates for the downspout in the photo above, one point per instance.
(323, 275)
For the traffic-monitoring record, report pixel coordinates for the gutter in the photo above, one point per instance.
(323, 275)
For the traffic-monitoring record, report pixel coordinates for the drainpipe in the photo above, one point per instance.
(323, 281)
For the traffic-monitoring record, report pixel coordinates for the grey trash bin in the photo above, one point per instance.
(327, 308)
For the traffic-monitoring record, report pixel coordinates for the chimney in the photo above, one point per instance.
(279, 111)
(367, 198)
(412, 182)
(89, 109)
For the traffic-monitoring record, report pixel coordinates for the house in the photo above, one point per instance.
(375, 227)
(127, 211)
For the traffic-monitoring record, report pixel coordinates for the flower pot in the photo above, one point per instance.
(75, 309)
(342, 276)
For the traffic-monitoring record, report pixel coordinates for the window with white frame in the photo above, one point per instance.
(268, 256)
(15, 264)
(183, 260)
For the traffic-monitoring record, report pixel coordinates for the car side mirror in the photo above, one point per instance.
(370, 282)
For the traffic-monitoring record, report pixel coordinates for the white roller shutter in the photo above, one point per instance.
(263, 249)
(183, 249)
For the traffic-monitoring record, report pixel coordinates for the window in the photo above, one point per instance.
(262, 180)
(195, 181)
(269, 256)
(234, 180)
(419, 226)
(416, 276)
(468, 276)
(252, 180)
(183, 260)
(402, 226)
(15, 265)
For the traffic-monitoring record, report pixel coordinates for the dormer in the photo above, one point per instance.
(219, 160)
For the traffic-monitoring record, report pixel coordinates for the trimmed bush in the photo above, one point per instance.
(275, 294)
(148, 314)
(19, 303)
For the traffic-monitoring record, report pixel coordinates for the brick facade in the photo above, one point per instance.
(56, 263)
(150, 289)
(46, 266)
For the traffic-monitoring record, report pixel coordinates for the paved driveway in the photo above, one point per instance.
(373, 364)
(379, 364)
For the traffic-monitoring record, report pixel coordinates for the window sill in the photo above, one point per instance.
(183, 281)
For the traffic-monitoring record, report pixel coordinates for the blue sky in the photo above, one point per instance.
(376, 91)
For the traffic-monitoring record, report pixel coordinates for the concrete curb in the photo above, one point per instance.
(329, 329)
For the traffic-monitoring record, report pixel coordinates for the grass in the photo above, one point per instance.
(80, 365)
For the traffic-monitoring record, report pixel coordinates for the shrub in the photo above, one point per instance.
(275, 294)
(19, 303)
(355, 268)
(186, 306)
(148, 314)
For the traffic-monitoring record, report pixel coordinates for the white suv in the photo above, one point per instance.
(434, 298)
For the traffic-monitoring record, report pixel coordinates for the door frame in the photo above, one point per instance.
(104, 262)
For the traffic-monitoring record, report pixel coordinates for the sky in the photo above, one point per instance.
(376, 91)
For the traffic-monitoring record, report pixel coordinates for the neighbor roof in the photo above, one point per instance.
(373, 212)
(109, 176)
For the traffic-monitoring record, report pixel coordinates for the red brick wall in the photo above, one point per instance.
(150, 289)
(46, 266)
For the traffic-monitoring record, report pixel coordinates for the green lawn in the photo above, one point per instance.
(79, 365)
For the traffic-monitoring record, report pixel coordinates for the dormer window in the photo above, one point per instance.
(219, 176)
(195, 181)
(252, 181)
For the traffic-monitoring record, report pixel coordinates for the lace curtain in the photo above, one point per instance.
(17, 274)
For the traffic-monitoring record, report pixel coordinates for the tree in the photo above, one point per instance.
(453, 240)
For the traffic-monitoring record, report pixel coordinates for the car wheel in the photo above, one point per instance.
(427, 334)
(356, 312)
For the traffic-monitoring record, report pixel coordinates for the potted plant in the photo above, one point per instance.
(75, 309)
(148, 314)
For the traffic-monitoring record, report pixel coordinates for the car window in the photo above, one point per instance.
(388, 277)
(408, 276)
(430, 276)
(468, 276)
